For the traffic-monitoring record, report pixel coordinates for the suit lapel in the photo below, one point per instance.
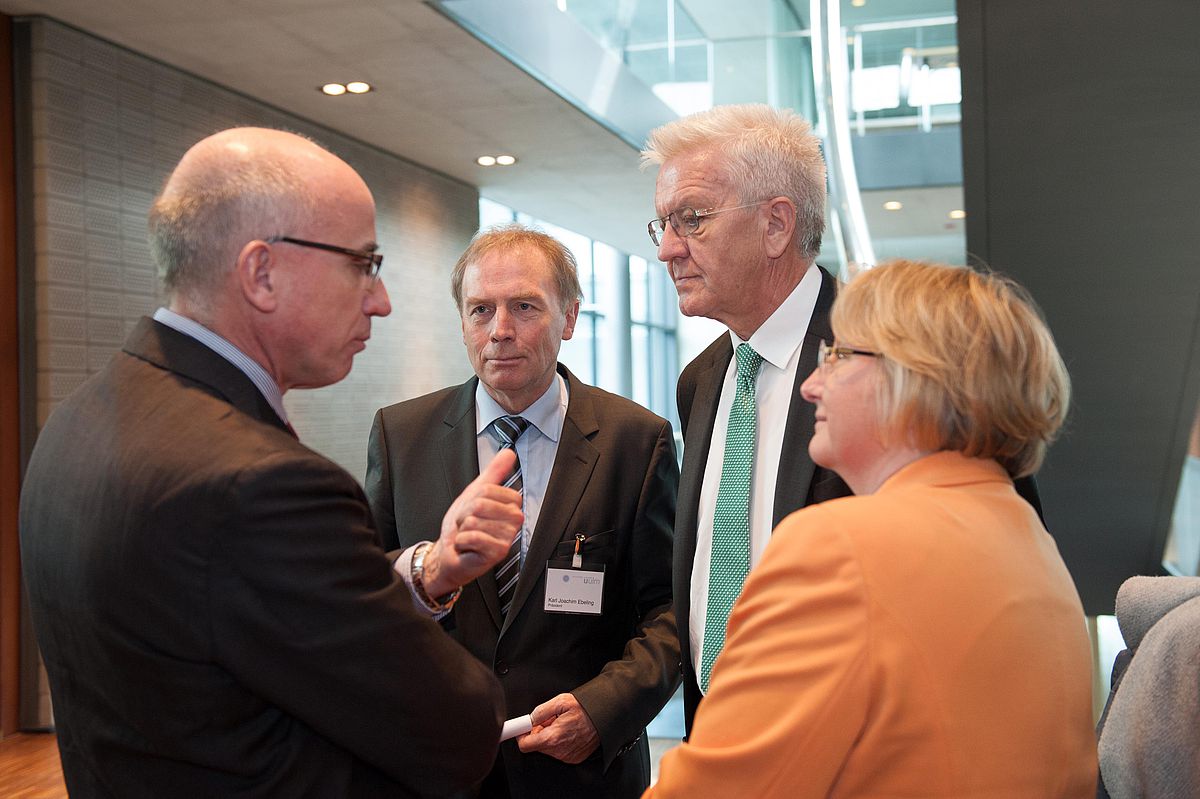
(698, 441)
(795, 465)
(460, 465)
(573, 465)
(169, 349)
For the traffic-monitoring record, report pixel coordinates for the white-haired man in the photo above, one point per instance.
(741, 199)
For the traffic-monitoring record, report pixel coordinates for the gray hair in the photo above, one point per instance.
(769, 152)
(201, 220)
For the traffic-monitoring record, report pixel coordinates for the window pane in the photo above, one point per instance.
(662, 296)
(608, 376)
(605, 260)
(493, 213)
(576, 354)
(637, 288)
(581, 248)
(641, 365)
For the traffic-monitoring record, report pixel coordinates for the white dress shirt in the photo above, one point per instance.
(778, 341)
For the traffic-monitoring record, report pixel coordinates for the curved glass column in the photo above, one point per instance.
(831, 87)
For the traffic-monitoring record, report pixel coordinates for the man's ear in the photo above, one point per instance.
(572, 318)
(781, 226)
(256, 277)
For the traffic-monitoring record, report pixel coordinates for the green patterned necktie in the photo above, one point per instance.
(730, 556)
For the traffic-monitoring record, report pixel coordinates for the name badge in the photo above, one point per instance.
(574, 591)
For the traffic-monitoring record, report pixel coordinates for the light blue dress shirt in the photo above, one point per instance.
(536, 448)
(221, 346)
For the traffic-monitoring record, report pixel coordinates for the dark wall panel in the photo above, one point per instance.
(1081, 151)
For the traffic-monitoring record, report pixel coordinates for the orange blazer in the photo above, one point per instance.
(923, 641)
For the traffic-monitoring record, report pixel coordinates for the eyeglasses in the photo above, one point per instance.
(827, 355)
(686, 221)
(369, 262)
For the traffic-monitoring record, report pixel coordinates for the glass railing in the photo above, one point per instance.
(904, 73)
(880, 81)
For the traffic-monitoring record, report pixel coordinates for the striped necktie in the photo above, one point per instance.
(730, 554)
(508, 429)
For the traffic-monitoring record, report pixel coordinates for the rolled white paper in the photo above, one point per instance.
(514, 727)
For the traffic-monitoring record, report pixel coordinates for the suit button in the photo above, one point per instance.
(502, 668)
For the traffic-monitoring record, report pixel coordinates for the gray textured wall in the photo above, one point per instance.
(107, 127)
(1081, 166)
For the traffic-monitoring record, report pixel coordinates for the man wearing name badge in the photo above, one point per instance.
(209, 595)
(741, 194)
(577, 621)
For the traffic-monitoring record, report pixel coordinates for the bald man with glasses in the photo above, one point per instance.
(214, 606)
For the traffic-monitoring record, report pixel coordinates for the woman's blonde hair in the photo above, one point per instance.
(968, 362)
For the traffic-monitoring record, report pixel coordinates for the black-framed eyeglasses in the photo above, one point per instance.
(369, 262)
(827, 355)
(686, 221)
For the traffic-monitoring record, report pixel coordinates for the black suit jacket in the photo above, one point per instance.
(800, 481)
(214, 608)
(614, 479)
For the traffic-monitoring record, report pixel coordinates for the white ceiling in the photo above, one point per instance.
(442, 97)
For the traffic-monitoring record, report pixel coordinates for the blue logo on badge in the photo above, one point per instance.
(566, 578)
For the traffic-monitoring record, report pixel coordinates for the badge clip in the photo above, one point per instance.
(577, 558)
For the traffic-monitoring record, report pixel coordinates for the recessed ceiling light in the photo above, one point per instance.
(333, 89)
(358, 87)
(486, 160)
(858, 3)
(958, 213)
(505, 160)
(893, 205)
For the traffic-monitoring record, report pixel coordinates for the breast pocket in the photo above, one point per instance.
(595, 548)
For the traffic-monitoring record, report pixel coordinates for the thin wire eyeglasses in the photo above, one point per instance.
(369, 262)
(686, 221)
(827, 355)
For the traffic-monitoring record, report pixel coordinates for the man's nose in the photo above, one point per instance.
(671, 245)
(502, 325)
(377, 302)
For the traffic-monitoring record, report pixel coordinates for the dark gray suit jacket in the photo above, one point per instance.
(800, 482)
(614, 479)
(216, 614)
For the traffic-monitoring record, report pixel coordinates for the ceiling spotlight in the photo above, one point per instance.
(505, 160)
(333, 89)
(893, 205)
(858, 3)
(486, 160)
(358, 87)
(958, 213)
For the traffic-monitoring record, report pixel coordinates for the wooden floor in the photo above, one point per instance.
(29, 767)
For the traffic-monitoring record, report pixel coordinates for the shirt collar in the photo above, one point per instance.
(547, 413)
(227, 350)
(778, 338)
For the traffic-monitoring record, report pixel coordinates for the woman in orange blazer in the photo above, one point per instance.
(922, 638)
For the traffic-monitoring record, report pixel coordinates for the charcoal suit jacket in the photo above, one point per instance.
(614, 480)
(214, 607)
